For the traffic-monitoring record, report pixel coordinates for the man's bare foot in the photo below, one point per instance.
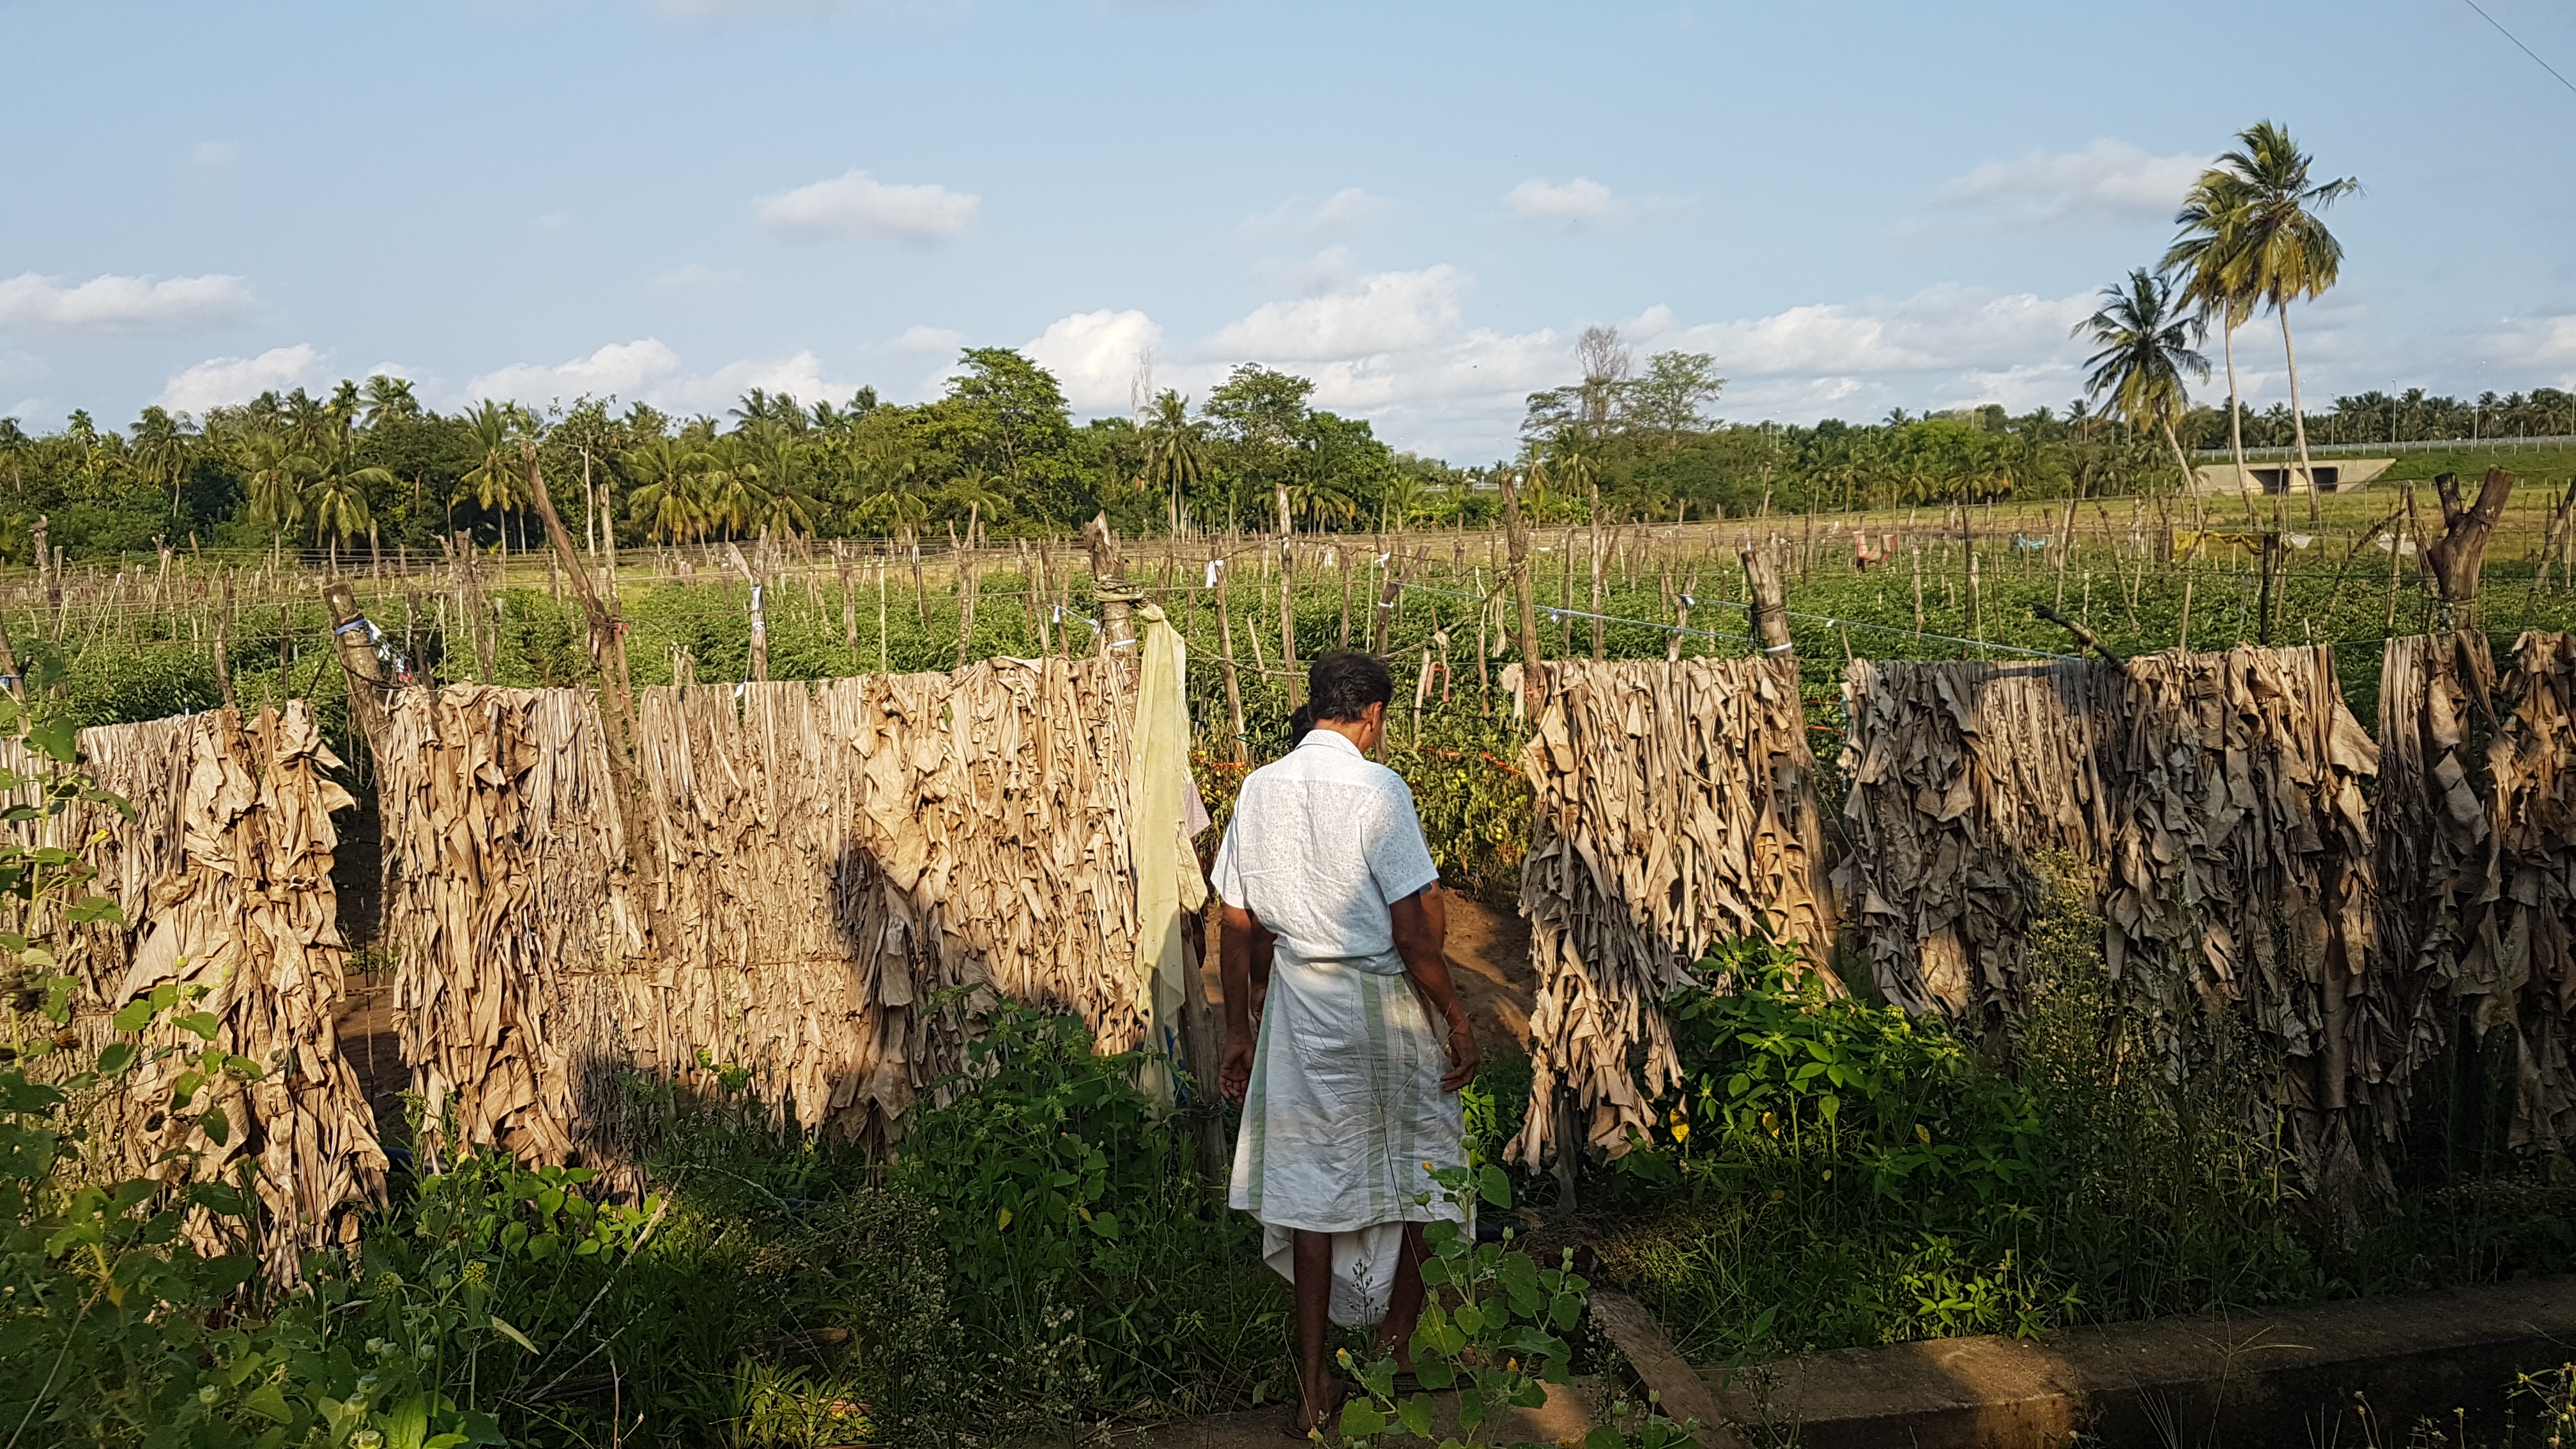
(1316, 1409)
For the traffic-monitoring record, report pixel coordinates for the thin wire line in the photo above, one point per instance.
(2517, 40)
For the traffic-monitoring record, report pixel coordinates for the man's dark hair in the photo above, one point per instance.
(1343, 685)
(1301, 723)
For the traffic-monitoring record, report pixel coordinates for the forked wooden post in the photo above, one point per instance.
(1109, 586)
(354, 638)
(2454, 564)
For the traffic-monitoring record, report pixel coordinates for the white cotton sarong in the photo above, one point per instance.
(1343, 1117)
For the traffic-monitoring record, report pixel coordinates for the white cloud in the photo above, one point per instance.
(1578, 203)
(2107, 183)
(554, 223)
(1377, 313)
(856, 206)
(1335, 215)
(1941, 328)
(1945, 346)
(919, 338)
(697, 279)
(621, 368)
(2531, 343)
(647, 371)
(1097, 356)
(219, 381)
(126, 306)
(214, 155)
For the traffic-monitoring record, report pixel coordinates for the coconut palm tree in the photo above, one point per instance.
(337, 498)
(390, 397)
(1175, 452)
(2207, 261)
(666, 474)
(273, 474)
(1400, 495)
(15, 445)
(161, 450)
(495, 482)
(780, 462)
(2269, 244)
(2146, 355)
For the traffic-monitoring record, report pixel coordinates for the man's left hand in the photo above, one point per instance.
(1462, 1054)
(1234, 1074)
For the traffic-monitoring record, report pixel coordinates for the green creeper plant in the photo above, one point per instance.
(1493, 1332)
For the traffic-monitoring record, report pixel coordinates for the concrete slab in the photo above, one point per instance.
(2282, 1377)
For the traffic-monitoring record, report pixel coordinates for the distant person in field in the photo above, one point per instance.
(1332, 942)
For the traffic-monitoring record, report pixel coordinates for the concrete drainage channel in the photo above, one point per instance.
(2292, 1376)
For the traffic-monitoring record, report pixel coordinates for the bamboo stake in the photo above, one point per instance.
(1517, 538)
(849, 603)
(1595, 552)
(1346, 592)
(2397, 546)
(1225, 633)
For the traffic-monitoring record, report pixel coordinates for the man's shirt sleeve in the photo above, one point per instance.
(1398, 859)
(1228, 874)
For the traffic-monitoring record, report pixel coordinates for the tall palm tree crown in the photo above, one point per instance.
(2251, 235)
(2146, 355)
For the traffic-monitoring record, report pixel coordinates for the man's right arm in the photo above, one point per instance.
(1421, 923)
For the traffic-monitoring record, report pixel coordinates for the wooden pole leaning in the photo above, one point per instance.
(608, 666)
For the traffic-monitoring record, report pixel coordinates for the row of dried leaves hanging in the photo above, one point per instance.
(2477, 810)
(2213, 805)
(830, 864)
(224, 878)
(1676, 807)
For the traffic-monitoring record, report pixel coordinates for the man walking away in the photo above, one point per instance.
(1332, 941)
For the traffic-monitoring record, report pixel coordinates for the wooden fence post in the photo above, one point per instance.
(755, 578)
(608, 663)
(849, 602)
(2455, 564)
(1217, 572)
(1109, 586)
(223, 648)
(1763, 598)
(1517, 539)
(364, 673)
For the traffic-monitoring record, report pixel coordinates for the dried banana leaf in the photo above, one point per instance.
(2210, 803)
(224, 877)
(834, 869)
(1675, 807)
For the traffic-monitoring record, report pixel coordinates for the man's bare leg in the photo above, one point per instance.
(1314, 1265)
(1404, 1303)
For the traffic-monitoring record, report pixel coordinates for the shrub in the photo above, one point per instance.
(1092, 1261)
(1835, 1173)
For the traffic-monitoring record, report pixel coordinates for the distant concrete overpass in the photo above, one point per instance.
(2333, 475)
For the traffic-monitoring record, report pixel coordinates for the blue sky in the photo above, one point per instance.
(1853, 206)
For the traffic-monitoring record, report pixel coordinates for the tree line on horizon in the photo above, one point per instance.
(367, 469)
